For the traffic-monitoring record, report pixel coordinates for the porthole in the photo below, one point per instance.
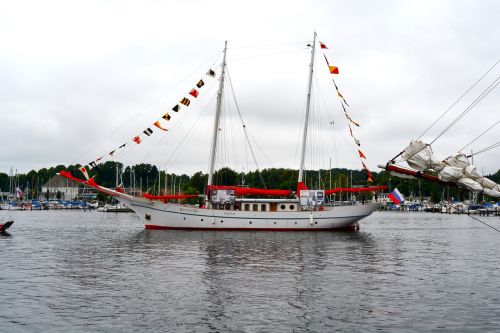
(315, 222)
(221, 221)
(201, 220)
(295, 222)
(184, 218)
(282, 206)
(274, 222)
(250, 222)
(292, 207)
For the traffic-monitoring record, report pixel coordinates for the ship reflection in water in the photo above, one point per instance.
(69, 271)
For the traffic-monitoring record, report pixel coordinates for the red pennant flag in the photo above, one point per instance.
(323, 46)
(194, 93)
(361, 154)
(157, 124)
(333, 69)
(137, 139)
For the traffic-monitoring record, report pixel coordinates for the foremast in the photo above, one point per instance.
(306, 118)
(215, 133)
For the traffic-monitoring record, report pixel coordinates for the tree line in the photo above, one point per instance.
(148, 178)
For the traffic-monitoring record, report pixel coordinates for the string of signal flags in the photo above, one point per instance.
(345, 106)
(182, 104)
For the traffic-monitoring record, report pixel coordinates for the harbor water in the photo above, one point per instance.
(75, 271)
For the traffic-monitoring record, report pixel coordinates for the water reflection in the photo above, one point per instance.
(68, 271)
(239, 264)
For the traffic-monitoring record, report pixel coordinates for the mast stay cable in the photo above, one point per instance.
(480, 135)
(458, 100)
(485, 93)
(245, 128)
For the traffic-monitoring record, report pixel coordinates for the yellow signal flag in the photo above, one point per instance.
(157, 124)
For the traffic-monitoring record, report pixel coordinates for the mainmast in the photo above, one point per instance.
(306, 120)
(215, 133)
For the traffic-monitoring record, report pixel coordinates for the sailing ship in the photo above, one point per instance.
(242, 208)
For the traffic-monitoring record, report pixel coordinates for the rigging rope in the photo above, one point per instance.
(213, 59)
(495, 145)
(467, 145)
(486, 224)
(458, 100)
(267, 54)
(188, 133)
(485, 93)
(244, 128)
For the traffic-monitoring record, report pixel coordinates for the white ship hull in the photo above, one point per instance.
(159, 215)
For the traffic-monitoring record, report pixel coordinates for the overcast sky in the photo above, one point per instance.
(80, 78)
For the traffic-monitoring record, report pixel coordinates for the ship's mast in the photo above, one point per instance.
(215, 133)
(308, 105)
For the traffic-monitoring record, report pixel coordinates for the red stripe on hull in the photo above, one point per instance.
(353, 228)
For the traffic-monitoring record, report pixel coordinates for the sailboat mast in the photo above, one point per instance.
(217, 119)
(308, 106)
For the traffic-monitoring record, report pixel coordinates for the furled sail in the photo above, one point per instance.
(454, 169)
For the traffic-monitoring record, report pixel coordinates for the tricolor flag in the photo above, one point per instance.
(396, 197)
(323, 46)
(333, 69)
(194, 93)
(211, 73)
(137, 140)
(200, 84)
(84, 171)
(185, 101)
(148, 131)
(176, 108)
(157, 124)
(166, 116)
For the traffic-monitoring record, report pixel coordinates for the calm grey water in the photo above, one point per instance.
(66, 271)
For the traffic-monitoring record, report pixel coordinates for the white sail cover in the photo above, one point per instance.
(455, 168)
(419, 156)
